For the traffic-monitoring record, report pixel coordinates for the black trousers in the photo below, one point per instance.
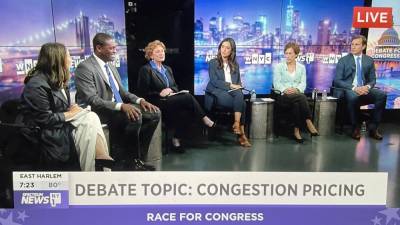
(354, 101)
(233, 100)
(179, 110)
(131, 140)
(297, 104)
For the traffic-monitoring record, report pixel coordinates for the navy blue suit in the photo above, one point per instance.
(218, 87)
(343, 83)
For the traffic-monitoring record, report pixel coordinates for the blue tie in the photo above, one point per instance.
(359, 72)
(114, 89)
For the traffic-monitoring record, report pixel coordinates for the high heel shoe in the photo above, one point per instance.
(243, 141)
(104, 164)
(311, 128)
(236, 128)
(298, 140)
(297, 136)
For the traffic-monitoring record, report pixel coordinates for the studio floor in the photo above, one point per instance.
(335, 153)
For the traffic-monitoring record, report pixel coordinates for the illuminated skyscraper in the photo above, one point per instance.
(213, 29)
(238, 22)
(198, 30)
(296, 20)
(82, 33)
(257, 29)
(220, 23)
(324, 32)
(263, 21)
(105, 25)
(289, 18)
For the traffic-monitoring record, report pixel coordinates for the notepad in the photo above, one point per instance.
(179, 92)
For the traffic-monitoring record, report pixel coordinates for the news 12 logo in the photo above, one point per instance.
(372, 17)
(53, 199)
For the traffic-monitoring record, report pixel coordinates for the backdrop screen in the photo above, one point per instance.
(27, 24)
(384, 47)
(262, 28)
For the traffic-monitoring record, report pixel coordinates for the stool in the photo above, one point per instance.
(262, 117)
(324, 115)
(106, 132)
(155, 150)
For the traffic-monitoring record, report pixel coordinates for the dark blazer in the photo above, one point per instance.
(151, 83)
(346, 71)
(217, 83)
(44, 107)
(92, 88)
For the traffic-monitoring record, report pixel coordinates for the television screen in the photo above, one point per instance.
(262, 28)
(384, 47)
(74, 27)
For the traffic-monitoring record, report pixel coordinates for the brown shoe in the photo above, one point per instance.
(375, 135)
(243, 141)
(236, 128)
(356, 134)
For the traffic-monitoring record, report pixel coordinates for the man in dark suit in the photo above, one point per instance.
(131, 120)
(355, 80)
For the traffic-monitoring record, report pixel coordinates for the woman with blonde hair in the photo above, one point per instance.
(156, 83)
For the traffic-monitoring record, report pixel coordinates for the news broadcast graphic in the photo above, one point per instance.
(41, 190)
(27, 24)
(384, 48)
(200, 198)
(372, 17)
(262, 28)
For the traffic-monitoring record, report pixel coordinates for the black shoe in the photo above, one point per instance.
(178, 149)
(104, 165)
(138, 166)
(147, 166)
(298, 140)
(314, 134)
(134, 165)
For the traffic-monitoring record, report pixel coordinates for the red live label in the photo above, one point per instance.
(376, 17)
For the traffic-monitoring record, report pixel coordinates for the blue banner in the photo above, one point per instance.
(204, 214)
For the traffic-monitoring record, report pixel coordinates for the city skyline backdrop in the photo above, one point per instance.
(74, 27)
(40, 28)
(275, 15)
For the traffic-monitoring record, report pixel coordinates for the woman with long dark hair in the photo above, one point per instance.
(225, 84)
(71, 137)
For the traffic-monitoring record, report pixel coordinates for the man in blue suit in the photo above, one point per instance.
(355, 80)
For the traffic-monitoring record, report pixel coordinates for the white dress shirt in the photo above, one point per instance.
(103, 69)
(227, 73)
